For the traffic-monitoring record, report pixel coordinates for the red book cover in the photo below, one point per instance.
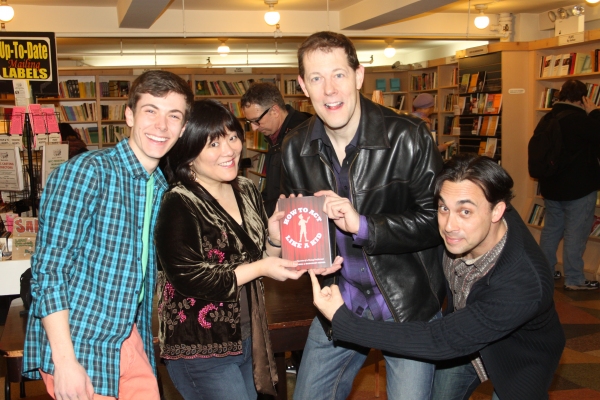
(305, 232)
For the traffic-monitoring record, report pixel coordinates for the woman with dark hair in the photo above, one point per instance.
(214, 242)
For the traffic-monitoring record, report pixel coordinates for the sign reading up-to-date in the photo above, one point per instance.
(31, 56)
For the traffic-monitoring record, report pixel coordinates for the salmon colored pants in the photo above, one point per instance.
(136, 381)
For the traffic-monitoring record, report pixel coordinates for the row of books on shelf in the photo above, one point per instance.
(485, 126)
(110, 133)
(72, 88)
(43, 119)
(114, 112)
(488, 147)
(568, 64)
(450, 122)
(81, 112)
(222, 88)
(537, 215)
(114, 88)
(480, 103)
(549, 96)
(291, 86)
(114, 133)
(392, 100)
(88, 134)
(381, 84)
(235, 107)
(476, 125)
(472, 83)
(450, 100)
(538, 212)
(260, 166)
(256, 140)
(301, 105)
(450, 151)
(424, 81)
(262, 183)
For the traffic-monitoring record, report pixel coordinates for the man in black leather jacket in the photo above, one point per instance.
(265, 110)
(377, 169)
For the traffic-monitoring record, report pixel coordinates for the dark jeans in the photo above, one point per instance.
(215, 378)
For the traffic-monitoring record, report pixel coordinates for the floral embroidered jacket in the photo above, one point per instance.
(199, 245)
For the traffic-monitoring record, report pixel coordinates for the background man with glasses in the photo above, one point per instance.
(265, 110)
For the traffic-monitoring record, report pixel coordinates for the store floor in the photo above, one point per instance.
(577, 377)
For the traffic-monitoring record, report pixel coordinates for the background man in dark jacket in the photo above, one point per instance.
(500, 322)
(376, 169)
(570, 194)
(265, 110)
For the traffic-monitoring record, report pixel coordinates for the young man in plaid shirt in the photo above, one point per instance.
(89, 329)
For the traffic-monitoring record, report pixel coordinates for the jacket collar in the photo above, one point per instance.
(372, 132)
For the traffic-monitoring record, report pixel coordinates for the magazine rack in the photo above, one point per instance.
(31, 159)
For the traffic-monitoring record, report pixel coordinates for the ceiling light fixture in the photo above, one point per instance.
(481, 21)
(271, 16)
(592, 1)
(389, 51)
(6, 13)
(223, 48)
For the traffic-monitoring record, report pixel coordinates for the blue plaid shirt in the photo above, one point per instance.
(88, 260)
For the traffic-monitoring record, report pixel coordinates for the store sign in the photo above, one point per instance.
(569, 39)
(476, 51)
(26, 58)
(30, 56)
(238, 70)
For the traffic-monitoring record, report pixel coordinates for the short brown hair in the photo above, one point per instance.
(159, 84)
(327, 41)
(264, 94)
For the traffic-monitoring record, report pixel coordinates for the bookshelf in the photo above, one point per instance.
(106, 88)
(439, 79)
(479, 125)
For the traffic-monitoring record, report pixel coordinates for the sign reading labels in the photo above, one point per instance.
(26, 58)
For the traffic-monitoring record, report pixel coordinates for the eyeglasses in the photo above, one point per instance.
(257, 120)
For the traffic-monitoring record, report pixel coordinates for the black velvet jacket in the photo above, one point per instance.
(199, 245)
(391, 179)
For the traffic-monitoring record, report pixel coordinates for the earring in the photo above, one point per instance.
(193, 174)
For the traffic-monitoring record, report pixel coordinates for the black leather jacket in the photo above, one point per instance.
(392, 181)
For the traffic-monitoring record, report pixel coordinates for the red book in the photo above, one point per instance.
(305, 232)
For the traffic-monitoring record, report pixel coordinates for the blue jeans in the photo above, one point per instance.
(572, 220)
(455, 380)
(215, 378)
(328, 369)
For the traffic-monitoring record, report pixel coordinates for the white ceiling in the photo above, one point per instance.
(494, 6)
(368, 42)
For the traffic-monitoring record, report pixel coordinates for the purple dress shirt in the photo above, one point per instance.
(357, 284)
